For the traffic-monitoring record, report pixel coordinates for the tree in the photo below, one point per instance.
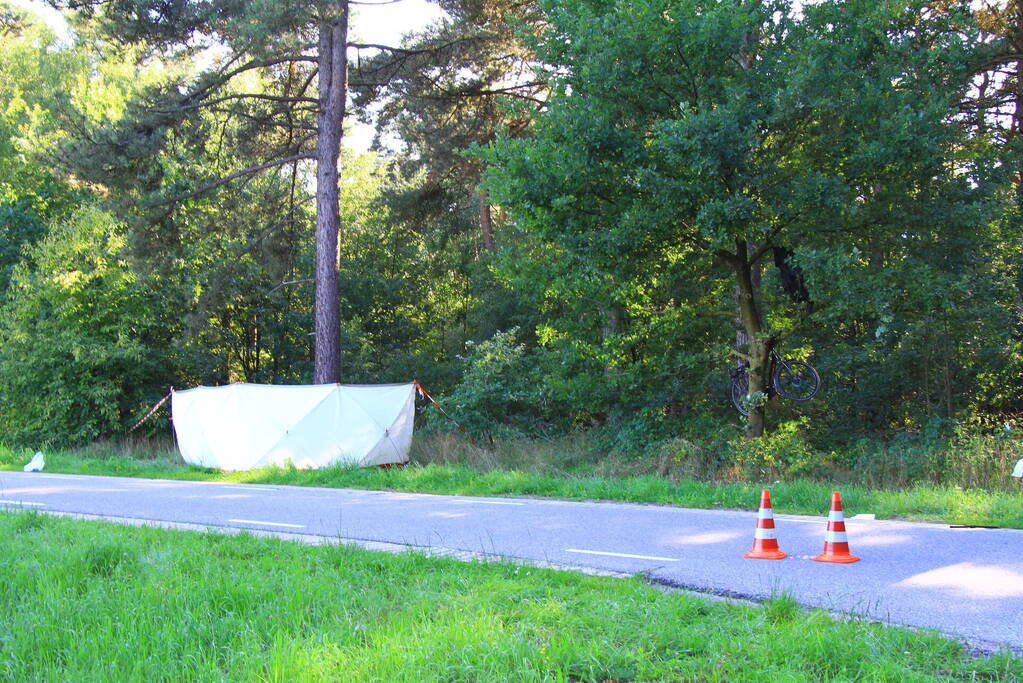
(994, 108)
(75, 337)
(273, 55)
(455, 85)
(996, 105)
(32, 196)
(685, 129)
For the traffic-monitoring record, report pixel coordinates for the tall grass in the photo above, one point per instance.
(967, 461)
(684, 473)
(100, 602)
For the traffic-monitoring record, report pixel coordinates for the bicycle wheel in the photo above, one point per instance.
(796, 380)
(740, 387)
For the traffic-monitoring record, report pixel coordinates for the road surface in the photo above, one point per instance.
(965, 582)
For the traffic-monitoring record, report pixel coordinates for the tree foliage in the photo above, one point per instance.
(728, 130)
(77, 335)
(565, 202)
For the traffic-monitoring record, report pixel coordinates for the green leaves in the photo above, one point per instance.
(72, 337)
(829, 132)
(650, 149)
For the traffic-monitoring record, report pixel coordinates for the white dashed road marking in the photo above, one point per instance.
(804, 521)
(488, 502)
(635, 557)
(254, 521)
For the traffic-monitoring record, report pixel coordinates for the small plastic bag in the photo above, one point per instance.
(37, 463)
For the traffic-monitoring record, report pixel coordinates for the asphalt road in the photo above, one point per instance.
(964, 582)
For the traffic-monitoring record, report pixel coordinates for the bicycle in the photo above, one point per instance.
(792, 379)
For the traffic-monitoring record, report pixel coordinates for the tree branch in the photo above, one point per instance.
(226, 98)
(254, 64)
(387, 48)
(291, 282)
(727, 256)
(237, 174)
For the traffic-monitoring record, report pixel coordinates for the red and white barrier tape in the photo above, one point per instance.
(424, 394)
(150, 413)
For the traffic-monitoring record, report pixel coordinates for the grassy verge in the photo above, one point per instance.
(535, 477)
(93, 601)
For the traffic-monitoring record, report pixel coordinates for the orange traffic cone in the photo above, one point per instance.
(836, 545)
(765, 543)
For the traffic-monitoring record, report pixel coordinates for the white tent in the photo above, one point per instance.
(244, 426)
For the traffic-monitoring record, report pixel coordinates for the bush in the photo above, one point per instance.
(783, 453)
(497, 397)
(72, 359)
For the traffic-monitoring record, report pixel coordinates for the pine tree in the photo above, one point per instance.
(456, 85)
(281, 78)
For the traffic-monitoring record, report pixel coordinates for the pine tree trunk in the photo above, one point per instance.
(333, 86)
(1015, 131)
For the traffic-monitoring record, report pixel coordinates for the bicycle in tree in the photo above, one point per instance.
(791, 379)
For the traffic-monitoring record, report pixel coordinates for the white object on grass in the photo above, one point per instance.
(1018, 470)
(37, 463)
(244, 426)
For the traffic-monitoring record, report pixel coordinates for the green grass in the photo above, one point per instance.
(99, 602)
(922, 502)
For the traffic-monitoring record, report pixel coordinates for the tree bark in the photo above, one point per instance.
(612, 321)
(486, 222)
(748, 274)
(333, 87)
(747, 277)
(1015, 130)
(742, 338)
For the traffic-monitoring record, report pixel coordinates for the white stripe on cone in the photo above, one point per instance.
(764, 534)
(766, 513)
(836, 516)
(835, 537)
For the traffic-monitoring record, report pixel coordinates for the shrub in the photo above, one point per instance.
(72, 359)
(497, 396)
(784, 452)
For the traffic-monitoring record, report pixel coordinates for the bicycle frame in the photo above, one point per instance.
(769, 376)
(801, 381)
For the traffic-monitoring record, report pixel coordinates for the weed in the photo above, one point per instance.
(30, 520)
(896, 480)
(103, 559)
(781, 609)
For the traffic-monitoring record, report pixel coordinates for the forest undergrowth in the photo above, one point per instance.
(961, 479)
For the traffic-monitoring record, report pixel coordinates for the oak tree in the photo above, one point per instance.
(690, 128)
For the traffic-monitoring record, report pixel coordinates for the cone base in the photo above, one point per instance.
(766, 555)
(840, 559)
